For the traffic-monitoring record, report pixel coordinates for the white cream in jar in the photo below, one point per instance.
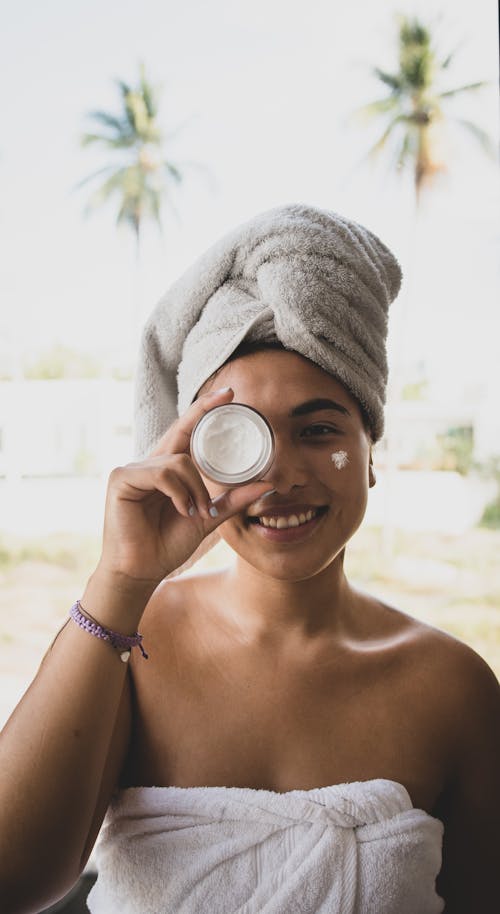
(233, 444)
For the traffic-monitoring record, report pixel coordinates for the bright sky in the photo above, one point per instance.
(263, 89)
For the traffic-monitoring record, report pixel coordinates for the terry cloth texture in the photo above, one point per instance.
(317, 282)
(358, 848)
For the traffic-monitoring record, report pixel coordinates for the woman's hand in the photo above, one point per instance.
(149, 531)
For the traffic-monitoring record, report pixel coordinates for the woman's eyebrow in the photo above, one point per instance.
(312, 406)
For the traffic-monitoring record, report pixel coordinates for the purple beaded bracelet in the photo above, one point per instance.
(122, 643)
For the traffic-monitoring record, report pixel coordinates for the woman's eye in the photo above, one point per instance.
(319, 430)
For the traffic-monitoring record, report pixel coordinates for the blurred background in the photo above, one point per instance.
(134, 135)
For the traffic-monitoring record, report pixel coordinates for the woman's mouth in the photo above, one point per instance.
(288, 528)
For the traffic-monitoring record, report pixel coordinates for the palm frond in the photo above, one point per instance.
(94, 175)
(154, 206)
(470, 87)
(107, 120)
(483, 138)
(86, 139)
(115, 183)
(379, 145)
(452, 55)
(150, 98)
(389, 79)
(120, 142)
(447, 61)
(124, 88)
(173, 171)
(129, 213)
(377, 108)
(130, 112)
(406, 150)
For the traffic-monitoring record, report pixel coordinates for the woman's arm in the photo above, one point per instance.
(63, 747)
(470, 807)
(61, 752)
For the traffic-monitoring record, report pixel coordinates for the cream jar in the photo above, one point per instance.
(233, 444)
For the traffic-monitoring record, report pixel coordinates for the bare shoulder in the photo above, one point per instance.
(470, 691)
(442, 673)
(460, 672)
(462, 694)
(173, 599)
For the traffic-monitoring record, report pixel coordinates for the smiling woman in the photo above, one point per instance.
(306, 423)
(290, 743)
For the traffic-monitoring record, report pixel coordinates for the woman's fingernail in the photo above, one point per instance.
(221, 390)
(271, 492)
(192, 511)
(213, 511)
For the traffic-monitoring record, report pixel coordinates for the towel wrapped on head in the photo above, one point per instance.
(315, 281)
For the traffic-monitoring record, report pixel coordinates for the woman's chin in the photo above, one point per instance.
(288, 565)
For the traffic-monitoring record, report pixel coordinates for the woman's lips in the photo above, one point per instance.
(289, 534)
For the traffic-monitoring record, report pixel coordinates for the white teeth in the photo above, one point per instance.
(293, 520)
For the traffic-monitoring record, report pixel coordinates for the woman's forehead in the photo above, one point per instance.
(285, 375)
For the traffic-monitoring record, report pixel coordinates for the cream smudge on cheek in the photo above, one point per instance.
(340, 459)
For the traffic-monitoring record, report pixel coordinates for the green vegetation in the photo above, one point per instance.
(415, 390)
(63, 362)
(69, 551)
(456, 447)
(491, 515)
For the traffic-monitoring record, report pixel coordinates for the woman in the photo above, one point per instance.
(290, 743)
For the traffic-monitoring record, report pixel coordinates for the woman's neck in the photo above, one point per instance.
(265, 608)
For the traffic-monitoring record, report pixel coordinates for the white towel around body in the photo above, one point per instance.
(357, 848)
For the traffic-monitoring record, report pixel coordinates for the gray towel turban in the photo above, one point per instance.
(317, 282)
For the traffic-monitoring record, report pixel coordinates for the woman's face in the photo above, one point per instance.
(281, 385)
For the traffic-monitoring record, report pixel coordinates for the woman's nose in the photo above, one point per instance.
(288, 468)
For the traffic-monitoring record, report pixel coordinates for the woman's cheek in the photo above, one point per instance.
(345, 469)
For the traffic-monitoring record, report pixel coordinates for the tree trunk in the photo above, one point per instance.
(397, 379)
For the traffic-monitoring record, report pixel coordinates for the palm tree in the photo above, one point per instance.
(141, 176)
(415, 116)
(414, 110)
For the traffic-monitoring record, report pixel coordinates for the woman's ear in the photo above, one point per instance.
(372, 479)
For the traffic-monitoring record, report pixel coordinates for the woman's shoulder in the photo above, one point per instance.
(450, 686)
(457, 671)
(467, 682)
(174, 599)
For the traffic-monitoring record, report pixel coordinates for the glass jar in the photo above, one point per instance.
(233, 444)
